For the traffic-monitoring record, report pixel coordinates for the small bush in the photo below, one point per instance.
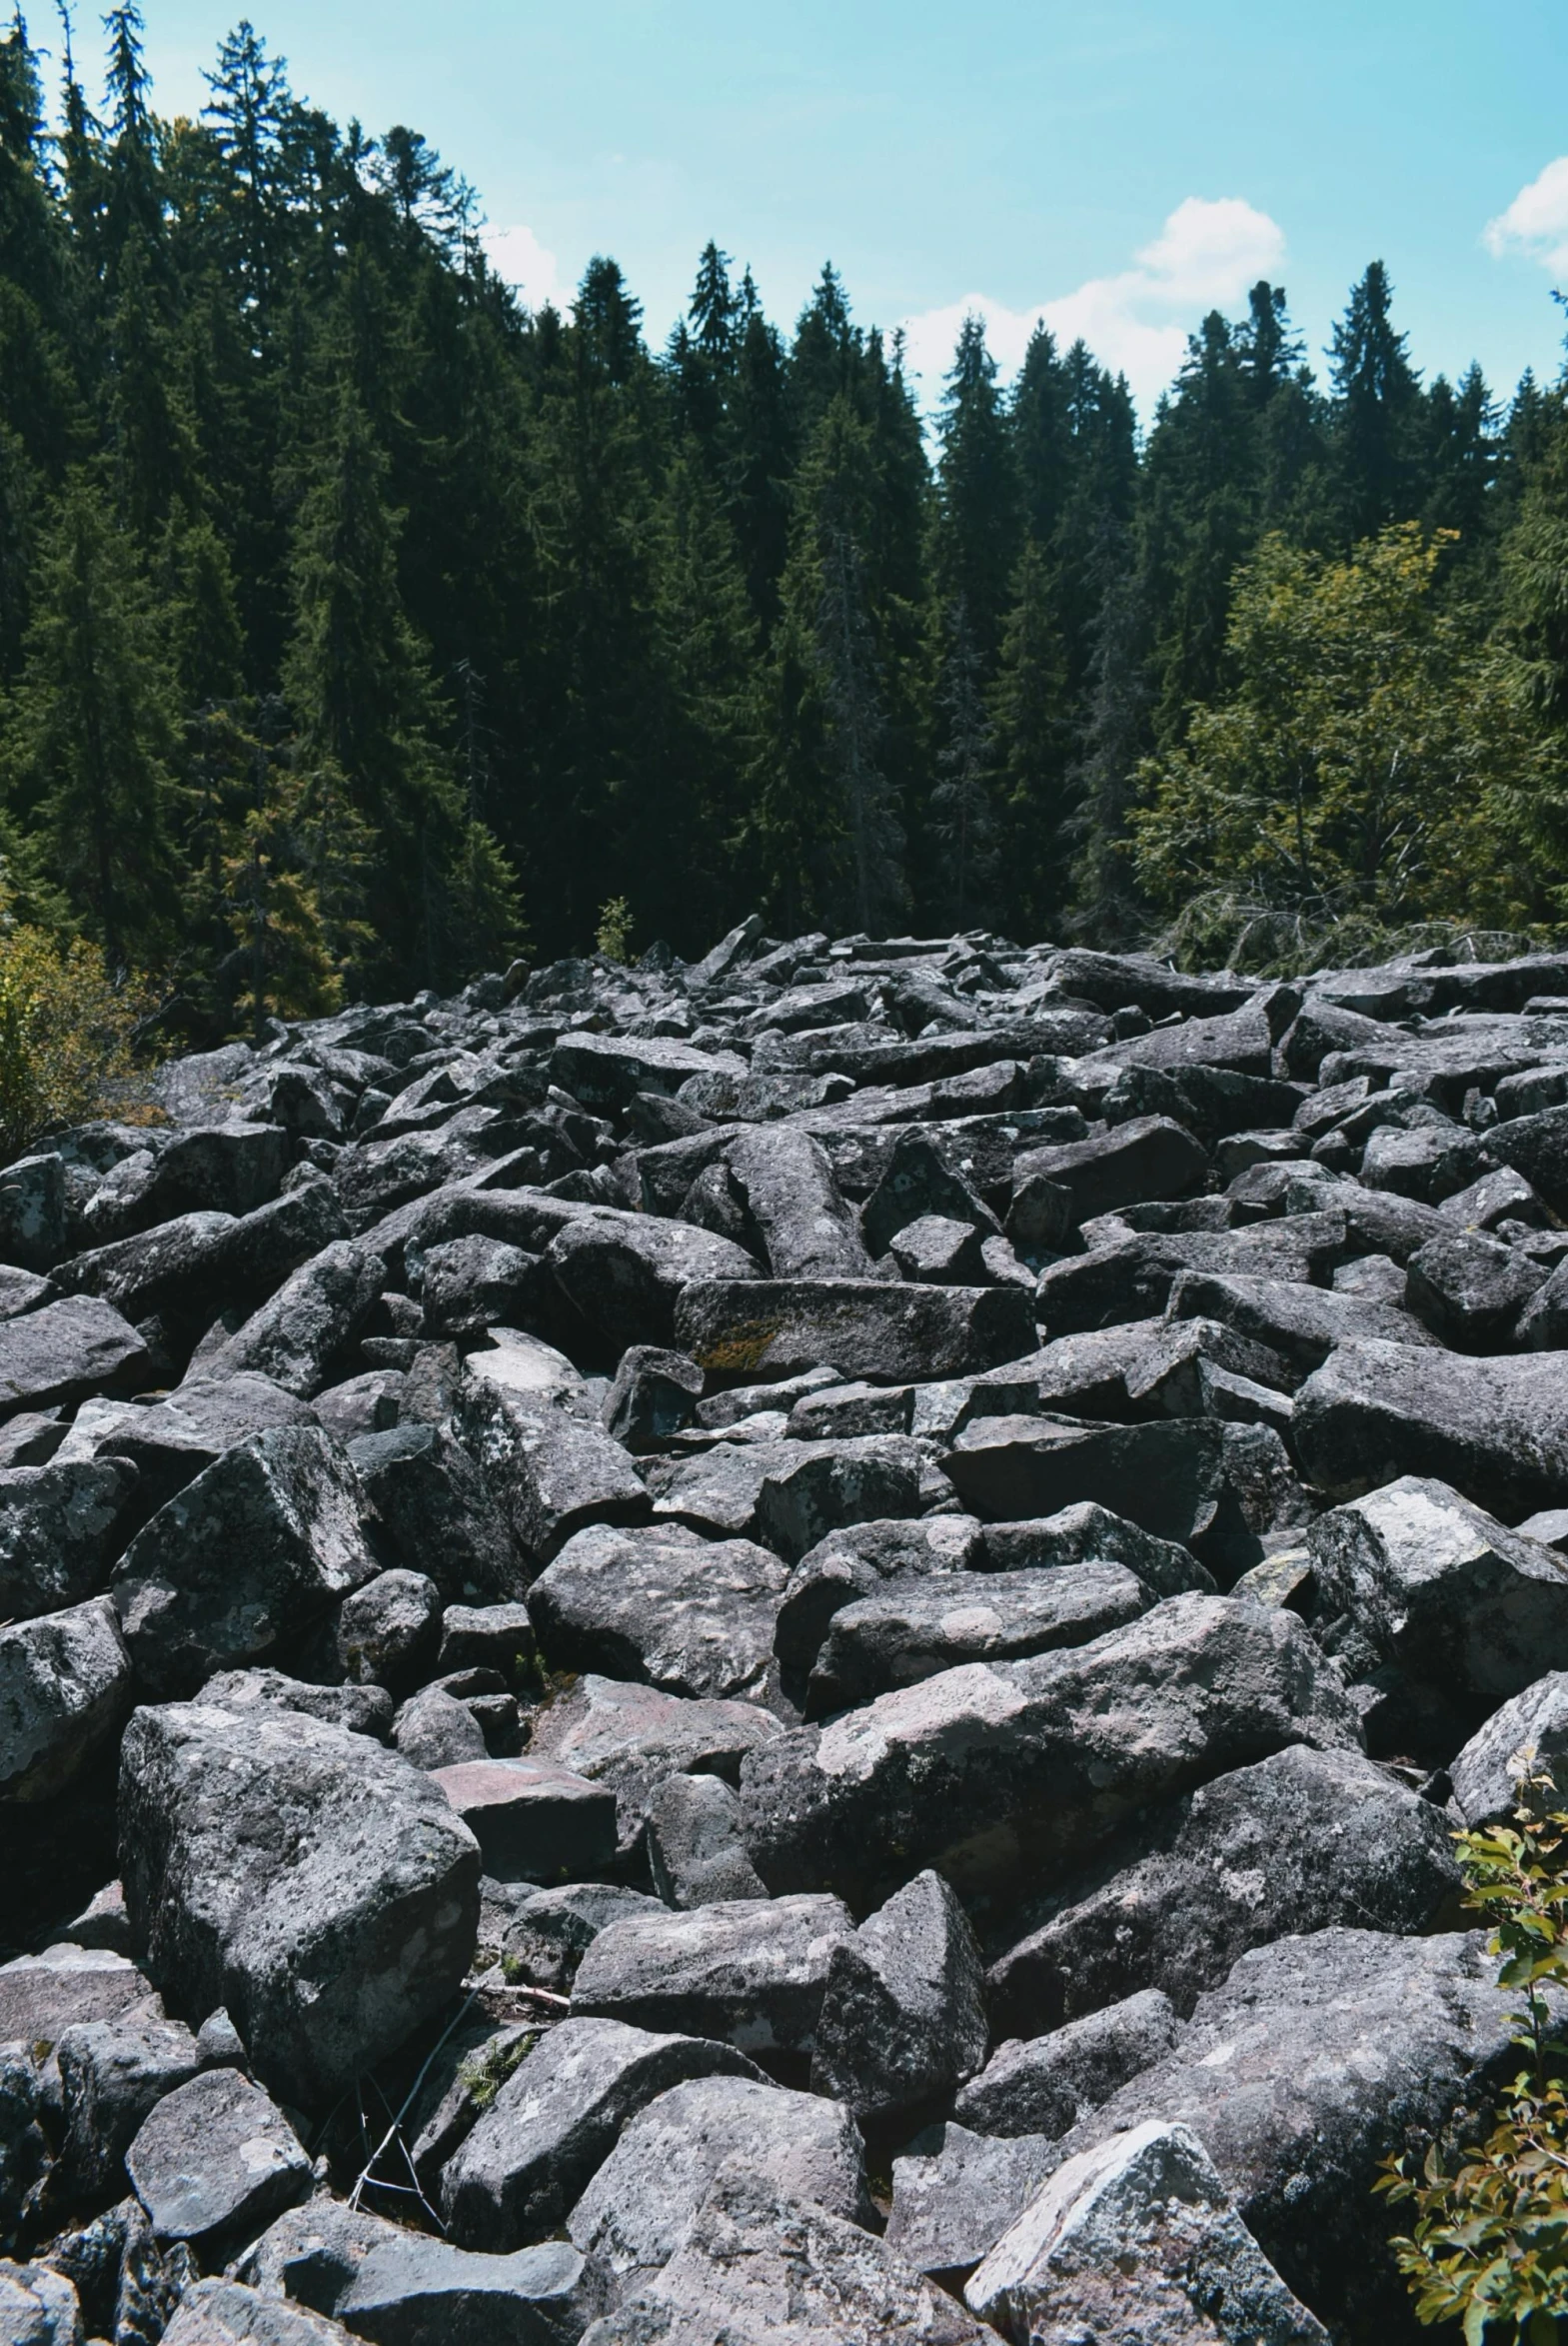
(67, 1036)
(1490, 2243)
(613, 936)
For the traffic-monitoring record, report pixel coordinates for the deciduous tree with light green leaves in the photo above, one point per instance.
(1372, 756)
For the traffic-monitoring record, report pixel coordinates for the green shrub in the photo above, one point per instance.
(67, 1038)
(1489, 2247)
(613, 936)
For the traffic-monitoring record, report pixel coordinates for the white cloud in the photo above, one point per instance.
(1536, 221)
(1136, 323)
(517, 257)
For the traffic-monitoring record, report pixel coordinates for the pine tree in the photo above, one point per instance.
(848, 653)
(762, 460)
(90, 737)
(1106, 906)
(824, 362)
(1378, 417)
(977, 528)
(963, 814)
(1033, 713)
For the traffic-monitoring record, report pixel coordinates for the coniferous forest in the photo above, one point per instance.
(359, 629)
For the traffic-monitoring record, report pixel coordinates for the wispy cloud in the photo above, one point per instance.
(1536, 222)
(1138, 322)
(517, 257)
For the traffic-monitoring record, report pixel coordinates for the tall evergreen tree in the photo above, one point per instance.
(978, 530)
(963, 813)
(1378, 418)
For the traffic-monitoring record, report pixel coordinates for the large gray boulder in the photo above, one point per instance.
(750, 1972)
(635, 1736)
(435, 1509)
(213, 2159)
(1297, 1842)
(112, 2074)
(1139, 2239)
(690, 1615)
(61, 1526)
(859, 1560)
(174, 1440)
(556, 2120)
(67, 1350)
(796, 1205)
(318, 1887)
(954, 2193)
(1439, 1586)
(638, 2208)
(763, 2266)
(1496, 1430)
(625, 1273)
(887, 1330)
(694, 1829)
(65, 1685)
(985, 1769)
(239, 1566)
(1042, 2086)
(554, 1472)
(903, 2012)
(226, 2313)
(312, 1319)
(1528, 1736)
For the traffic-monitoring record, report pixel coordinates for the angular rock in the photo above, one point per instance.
(1297, 1842)
(317, 1886)
(67, 1350)
(655, 1393)
(1496, 1430)
(533, 1822)
(65, 1687)
(33, 1212)
(625, 1273)
(1148, 1157)
(311, 1320)
(363, 1710)
(635, 1736)
(1135, 2239)
(1042, 2086)
(751, 1973)
(813, 1489)
(1442, 1589)
(1299, 1324)
(954, 2194)
(904, 2012)
(898, 1638)
(696, 1837)
(551, 1471)
(1471, 1289)
(488, 1636)
(225, 2313)
(1171, 1476)
(176, 1439)
(1087, 1534)
(43, 1995)
(402, 2288)
(547, 1931)
(239, 1564)
(807, 1229)
(940, 1252)
(863, 1327)
(434, 1504)
(216, 2158)
(693, 1616)
(472, 1282)
(434, 1732)
(112, 2073)
(1527, 1735)
(37, 2307)
(556, 2120)
(640, 2206)
(388, 1630)
(919, 1182)
(984, 1769)
(858, 1561)
(760, 2266)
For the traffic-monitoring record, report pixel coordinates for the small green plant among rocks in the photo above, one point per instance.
(1489, 2247)
(484, 2074)
(614, 936)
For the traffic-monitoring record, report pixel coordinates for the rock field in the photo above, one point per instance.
(772, 1652)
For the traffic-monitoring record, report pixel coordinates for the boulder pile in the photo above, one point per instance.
(785, 1650)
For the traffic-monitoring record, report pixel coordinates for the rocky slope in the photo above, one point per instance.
(780, 1650)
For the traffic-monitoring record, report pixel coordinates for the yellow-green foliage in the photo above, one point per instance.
(1371, 757)
(614, 938)
(1489, 2246)
(66, 1037)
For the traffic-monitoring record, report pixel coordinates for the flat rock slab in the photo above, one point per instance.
(226, 2313)
(750, 1972)
(1496, 1430)
(43, 1995)
(533, 1822)
(67, 1350)
(318, 1887)
(214, 2156)
(955, 2192)
(891, 1332)
(635, 1736)
(556, 2120)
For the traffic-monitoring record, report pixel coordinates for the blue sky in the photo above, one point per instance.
(1121, 166)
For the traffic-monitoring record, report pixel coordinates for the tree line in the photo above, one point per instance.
(359, 627)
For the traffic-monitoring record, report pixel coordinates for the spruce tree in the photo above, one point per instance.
(963, 811)
(1033, 713)
(978, 524)
(1377, 423)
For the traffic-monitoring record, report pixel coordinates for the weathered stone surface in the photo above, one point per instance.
(317, 1886)
(1442, 1589)
(533, 1822)
(638, 2207)
(863, 1327)
(226, 2313)
(696, 1838)
(402, 2288)
(176, 1439)
(858, 1561)
(903, 2013)
(690, 1615)
(1042, 2086)
(65, 1685)
(1527, 1735)
(807, 1229)
(434, 1504)
(43, 1995)
(1297, 1842)
(556, 2120)
(215, 2156)
(898, 1638)
(1497, 1429)
(551, 1471)
(954, 2194)
(310, 1320)
(1471, 1289)
(37, 2307)
(363, 1710)
(238, 1565)
(1087, 1534)
(654, 1394)
(635, 1736)
(625, 1273)
(752, 1973)
(985, 1769)
(546, 1932)
(1135, 2239)
(112, 2073)
(760, 2266)
(1148, 1157)
(67, 1350)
